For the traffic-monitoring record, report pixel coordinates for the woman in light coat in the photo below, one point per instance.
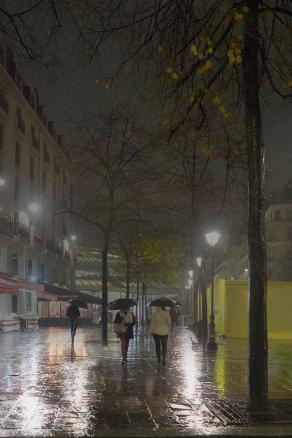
(160, 327)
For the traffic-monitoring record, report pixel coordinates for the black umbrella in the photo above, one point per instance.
(159, 302)
(121, 303)
(79, 303)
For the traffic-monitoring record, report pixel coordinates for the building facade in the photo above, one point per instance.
(35, 184)
(278, 228)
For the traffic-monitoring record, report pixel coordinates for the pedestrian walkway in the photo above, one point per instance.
(48, 388)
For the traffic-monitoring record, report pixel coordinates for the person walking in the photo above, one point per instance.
(123, 326)
(160, 326)
(73, 315)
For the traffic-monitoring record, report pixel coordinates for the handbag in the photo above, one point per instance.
(120, 328)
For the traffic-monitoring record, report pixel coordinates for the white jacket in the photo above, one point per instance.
(160, 323)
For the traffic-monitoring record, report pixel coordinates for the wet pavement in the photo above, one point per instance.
(48, 388)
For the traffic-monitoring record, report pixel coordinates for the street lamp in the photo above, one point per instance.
(2, 181)
(212, 240)
(33, 207)
(73, 237)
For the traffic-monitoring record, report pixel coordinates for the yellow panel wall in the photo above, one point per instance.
(231, 309)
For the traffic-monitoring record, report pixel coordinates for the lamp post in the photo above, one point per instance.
(212, 240)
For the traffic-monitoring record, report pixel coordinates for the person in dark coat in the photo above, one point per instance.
(73, 315)
(125, 318)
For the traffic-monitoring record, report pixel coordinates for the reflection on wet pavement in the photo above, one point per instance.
(50, 387)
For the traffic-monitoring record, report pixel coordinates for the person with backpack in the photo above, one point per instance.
(73, 314)
(123, 326)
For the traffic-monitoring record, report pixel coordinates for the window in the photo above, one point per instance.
(289, 233)
(28, 302)
(34, 139)
(14, 264)
(289, 214)
(46, 154)
(42, 276)
(31, 171)
(1, 137)
(17, 154)
(278, 215)
(57, 166)
(44, 181)
(29, 269)
(14, 304)
(16, 189)
(33, 102)
(65, 178)
(54, 191)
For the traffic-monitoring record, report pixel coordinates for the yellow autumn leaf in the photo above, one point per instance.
(216, 100)
(175, 76)
(238, 59)
(194, 49)
(208, 153)
(245, 9)
(237, 16)
(237, 50)
(209, 50)
(289, 83)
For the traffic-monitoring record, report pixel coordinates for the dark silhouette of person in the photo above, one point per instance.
(73, 315)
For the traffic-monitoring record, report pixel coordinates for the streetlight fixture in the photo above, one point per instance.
(2, 181)
(199, 261)
(34, 207)
(73, 237)
(212, 240)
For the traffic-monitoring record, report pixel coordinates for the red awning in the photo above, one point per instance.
(19, 283)
(8, 290)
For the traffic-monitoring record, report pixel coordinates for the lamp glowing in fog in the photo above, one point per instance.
(33, 207)
(2, 182)
(199, 261)
(212, 238)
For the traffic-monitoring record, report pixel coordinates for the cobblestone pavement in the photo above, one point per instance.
(48, 388)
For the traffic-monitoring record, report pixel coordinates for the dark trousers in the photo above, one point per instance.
(124, 344)
(160, 345)
(73, 326)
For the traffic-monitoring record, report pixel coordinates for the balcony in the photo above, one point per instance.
(37, 240)
(6, 221)
(4, 103)
(23, 231)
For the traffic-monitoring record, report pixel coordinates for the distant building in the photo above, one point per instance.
(278, 223)
(88, 273)
(35, 184)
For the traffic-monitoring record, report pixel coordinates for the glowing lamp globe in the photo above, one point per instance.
(212, 238)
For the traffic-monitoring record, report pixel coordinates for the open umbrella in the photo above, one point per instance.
(79, 303)
(121, 303)
(162, 302)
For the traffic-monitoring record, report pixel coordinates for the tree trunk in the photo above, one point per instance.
(145, 304)
(137, 300)
(104, 288)
(203, 290)
(257, 366)
(127, 276)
